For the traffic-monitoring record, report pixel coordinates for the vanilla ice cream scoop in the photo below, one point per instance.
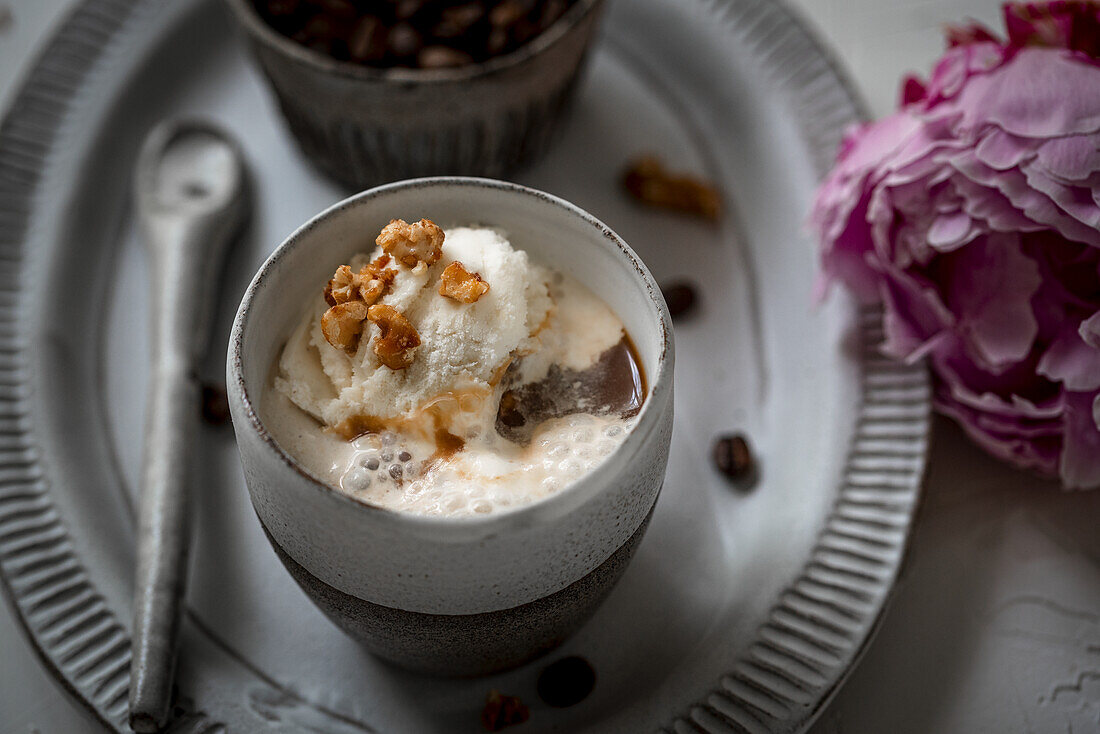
(462, 345)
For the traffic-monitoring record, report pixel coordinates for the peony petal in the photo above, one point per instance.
(846, 259)
(1036, 205)
(1080, 464)
(1000, 394)
(1072, 362)
(951, 231)
(912, 90)
(992, 207)
(956, 67)
(915, 315)
(1072, 158)
(1001, 151)
(877, 142)
(1090, 330)
(1038, 94)
(996, 318)
(1036, 453)
(1075, 201)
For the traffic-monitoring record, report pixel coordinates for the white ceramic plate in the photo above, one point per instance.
(742, 611)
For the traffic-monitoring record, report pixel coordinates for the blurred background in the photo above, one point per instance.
(995, 626)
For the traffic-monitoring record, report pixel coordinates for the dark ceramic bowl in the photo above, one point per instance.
(365, 126)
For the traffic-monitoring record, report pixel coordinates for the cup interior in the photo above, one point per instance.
(551, 230)
(258, 27)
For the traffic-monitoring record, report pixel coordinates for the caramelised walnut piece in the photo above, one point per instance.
(411, 244)
(342, 325)
(368, 285)
(501, 711)
(649, 182)
(397, 338)
(460, 284)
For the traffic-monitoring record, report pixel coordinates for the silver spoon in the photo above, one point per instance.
(191, 197)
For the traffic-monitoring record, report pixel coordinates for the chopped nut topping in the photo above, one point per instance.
(649, 182)
(342, 288)
(460, 284)
(368, 285)
(412, 243)
(397, 338)
(343, 324)
(349, 294)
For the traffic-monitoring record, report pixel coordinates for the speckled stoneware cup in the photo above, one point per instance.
(459, 595)
(365, 126)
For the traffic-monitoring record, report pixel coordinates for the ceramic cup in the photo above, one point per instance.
(454, 595)
(365, 126)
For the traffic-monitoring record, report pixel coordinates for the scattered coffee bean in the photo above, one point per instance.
(566, 682)
(680, 297)
(215, 405)
(733, 457)
(503, 711)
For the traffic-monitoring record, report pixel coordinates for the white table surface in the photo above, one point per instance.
(996, 624)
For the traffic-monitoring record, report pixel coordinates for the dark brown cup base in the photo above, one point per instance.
(466, 644)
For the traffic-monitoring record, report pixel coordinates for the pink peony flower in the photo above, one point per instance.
(973, 215)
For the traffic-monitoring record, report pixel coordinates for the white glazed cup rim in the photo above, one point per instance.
(258, 27)
(461, 527)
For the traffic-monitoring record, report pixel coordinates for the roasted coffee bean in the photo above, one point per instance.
(509, 12)
(442, 57)
(215, 405)
(405, 9)
(368, 41)
(551, 11)
(455, 21)
(733, 457)
(566, 682)
(403, 41)
(680, 297)
(339, 8)
(523, 31)
(320, 28)
(497, 41)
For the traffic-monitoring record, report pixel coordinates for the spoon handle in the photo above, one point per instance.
(191, 201)
(163, 545)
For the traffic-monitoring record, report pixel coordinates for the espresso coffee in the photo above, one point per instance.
(447, 373)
